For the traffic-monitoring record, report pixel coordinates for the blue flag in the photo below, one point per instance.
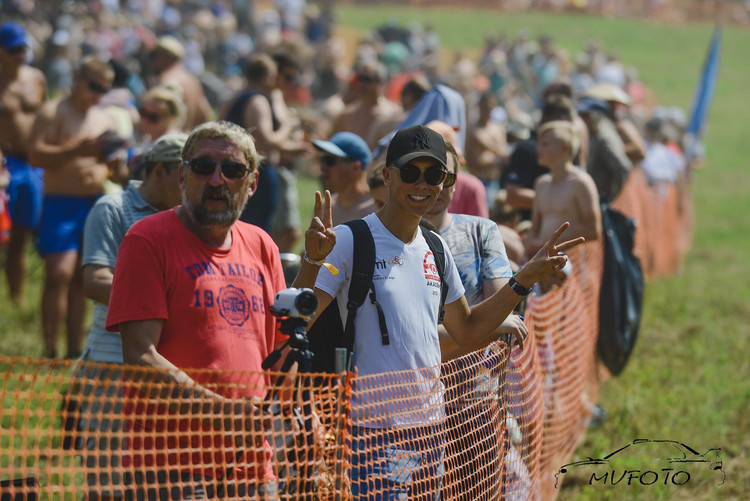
(704, 93)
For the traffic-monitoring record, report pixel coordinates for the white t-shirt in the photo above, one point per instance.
(407, 286)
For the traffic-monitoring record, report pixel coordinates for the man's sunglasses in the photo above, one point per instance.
(331, 160)
(207, 166)
(96, 88)
(367, 79)
(17, 50)
(433, 175)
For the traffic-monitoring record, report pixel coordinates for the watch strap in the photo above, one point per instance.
(518, 288)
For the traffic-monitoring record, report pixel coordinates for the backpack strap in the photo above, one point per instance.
(436, 246)
(363, 268)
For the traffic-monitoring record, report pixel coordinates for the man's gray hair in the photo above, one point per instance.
(221, 129)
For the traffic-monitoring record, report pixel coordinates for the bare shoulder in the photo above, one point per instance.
(54, 109)
(543, 181)
(583, 179)
(31, 74)
(259, 103)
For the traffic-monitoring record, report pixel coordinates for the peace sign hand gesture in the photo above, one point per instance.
(320, 237)
(548, 259)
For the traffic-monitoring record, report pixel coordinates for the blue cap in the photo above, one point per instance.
(589, 104)
(12, 35)
(346, 145)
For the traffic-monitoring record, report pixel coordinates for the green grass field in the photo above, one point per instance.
(689, 379)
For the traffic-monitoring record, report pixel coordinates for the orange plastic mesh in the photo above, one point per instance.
(495, 424)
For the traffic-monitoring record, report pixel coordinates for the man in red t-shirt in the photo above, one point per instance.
(192, 290)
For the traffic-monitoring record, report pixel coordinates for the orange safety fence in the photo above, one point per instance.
(495, 424)
(664, 218)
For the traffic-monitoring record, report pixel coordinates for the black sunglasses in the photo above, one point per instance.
(433, 174)
(450, 179)
(331, 160)
(96, 88)
(17, 50)
(367, 79)
(151, 116)
(207, 166)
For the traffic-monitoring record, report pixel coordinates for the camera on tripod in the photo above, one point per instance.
(295, 303)
(295, 307)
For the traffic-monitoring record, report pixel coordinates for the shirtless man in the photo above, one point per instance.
(260, 107)
(168, 68)
(486, 147)
(68, 141)
(566, 193)
(370, 108)
(22, 93)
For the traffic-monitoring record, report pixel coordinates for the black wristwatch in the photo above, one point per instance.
(518, 288)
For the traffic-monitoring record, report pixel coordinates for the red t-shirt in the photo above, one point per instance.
(469, 196)
(215, 304)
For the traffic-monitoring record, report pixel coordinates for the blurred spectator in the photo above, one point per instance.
(106, 225)
(608, 164)
(486, 146)
(343, 164)
(22, 93)
(162, 111)
(617, 101)
(167, 68)
(508, 220)
(370, 106)
(74, 141)
(276, 134)
(469, 196)
(378, 189)
(523, 168)
(59, 68)
(566, 193)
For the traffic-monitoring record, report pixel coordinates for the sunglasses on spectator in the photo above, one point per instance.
(97, 88)
(367, 79)
(17, 50)
(207, 166)
(433, 175)
(450, 179)
(151, 116)
(289, 77)
(331, 160)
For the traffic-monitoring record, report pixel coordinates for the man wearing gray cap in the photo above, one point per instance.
(105, 228)
(343, 166)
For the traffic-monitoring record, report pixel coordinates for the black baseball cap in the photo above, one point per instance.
(413, 142)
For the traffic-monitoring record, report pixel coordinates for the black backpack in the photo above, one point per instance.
(621, 296)
(327, 333)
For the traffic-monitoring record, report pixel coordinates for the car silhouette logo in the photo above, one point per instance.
(672, 463)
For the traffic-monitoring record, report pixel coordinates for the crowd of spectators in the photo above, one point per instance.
(536, 137)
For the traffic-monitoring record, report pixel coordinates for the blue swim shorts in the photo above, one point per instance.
(25, 192)
(63, 219)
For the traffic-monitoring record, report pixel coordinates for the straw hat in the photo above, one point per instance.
(608, 92)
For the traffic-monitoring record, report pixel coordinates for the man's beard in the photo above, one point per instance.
(204, 217)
